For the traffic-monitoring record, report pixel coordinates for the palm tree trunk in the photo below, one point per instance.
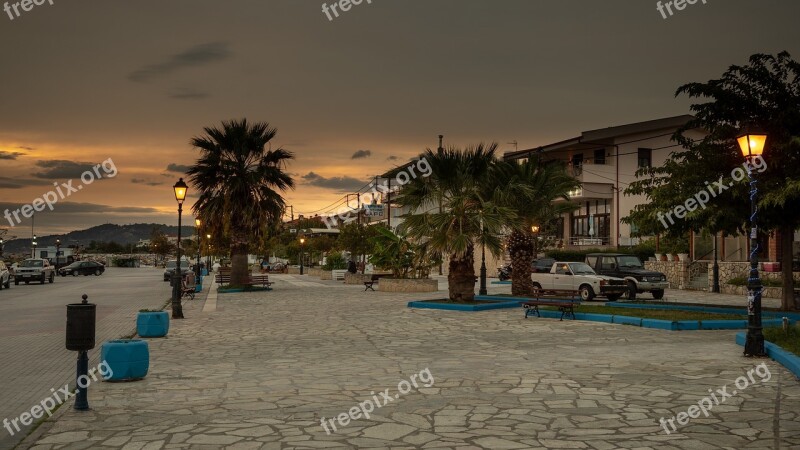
(520, 246)
(461, 278)
(240, 272)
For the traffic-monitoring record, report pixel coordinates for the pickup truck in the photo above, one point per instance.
(577, 276)
(34, 269)
(631, 269)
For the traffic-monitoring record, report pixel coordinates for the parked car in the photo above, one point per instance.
(5, 276)
(169, 271)
(542, 265)
(34, 269)
(578, 276)
(82, 268)
(631, 269)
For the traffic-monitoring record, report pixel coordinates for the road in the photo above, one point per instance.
(33, 357)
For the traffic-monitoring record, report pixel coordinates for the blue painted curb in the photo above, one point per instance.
(472, 308)
(785, 358)
(500, 282)
(709, 309)
(628, 320)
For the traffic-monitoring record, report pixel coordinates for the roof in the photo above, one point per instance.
(606, 136)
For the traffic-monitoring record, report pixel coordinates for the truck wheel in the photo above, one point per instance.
(52, 277)
(586, 292)
(631, 290)
(75, 273)
(537, 287)
(658, 294)
(613, 297)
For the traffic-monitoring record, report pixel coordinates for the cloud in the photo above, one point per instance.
(145, 182)
(22, 147)
(361, 154)
(88, 208)
(177, 168)
(10, 155)
(196, 56)
(339, 184)
(57, 169)
(187, 94)
(19, 183)
(390, 158)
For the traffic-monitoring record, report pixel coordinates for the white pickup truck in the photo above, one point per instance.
(34, 269)
(578, 276)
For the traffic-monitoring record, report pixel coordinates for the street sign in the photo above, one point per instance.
(373, 210)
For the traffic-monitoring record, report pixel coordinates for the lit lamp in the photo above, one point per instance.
(302, 246)
(177, 284)
(535, 231)
(197, 233)
(33, 247)
(208, 256)
(752, 145)
(58, 251)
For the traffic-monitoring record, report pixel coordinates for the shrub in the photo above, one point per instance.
(766, 282)
(335, 261)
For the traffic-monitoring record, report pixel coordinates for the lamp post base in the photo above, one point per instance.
(754, 343)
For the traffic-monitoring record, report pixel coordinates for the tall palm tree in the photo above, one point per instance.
(532, 190)
(470, 213)
(240, 183)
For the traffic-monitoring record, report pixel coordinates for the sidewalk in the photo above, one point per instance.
(263, 369)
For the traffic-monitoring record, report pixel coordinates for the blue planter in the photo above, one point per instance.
(128, 359)
(152, 324)
(204, 272)
(199, 286)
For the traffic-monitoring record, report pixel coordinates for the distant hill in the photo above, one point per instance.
(121, 234)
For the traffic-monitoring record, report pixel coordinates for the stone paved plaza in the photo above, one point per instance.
(260, 370)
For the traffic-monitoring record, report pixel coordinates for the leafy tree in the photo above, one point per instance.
(357, 238)
(335, 261)
(240, 183)
(160, 244)
(765, 93)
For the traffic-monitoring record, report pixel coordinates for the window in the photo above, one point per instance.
(600, 156)
(577, 160)
(562, 269)
(608, 263)
(645, 157)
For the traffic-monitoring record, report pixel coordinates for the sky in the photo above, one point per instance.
(127, 84)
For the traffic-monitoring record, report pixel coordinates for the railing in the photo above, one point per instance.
(586, 241)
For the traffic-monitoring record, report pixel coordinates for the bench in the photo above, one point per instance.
(253, 280)
(368, 285)
(337, 275)
(565, 300)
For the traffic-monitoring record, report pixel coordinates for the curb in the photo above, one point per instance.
(787, 359)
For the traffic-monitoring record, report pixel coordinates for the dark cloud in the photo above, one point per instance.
(195, 56)
(187, 94)
(57, 169)
(10, 155)
(339, 184)
(18, 183)
(145, 182)
(87, 208)
(177, 168)
(361, 154)
(391, 158)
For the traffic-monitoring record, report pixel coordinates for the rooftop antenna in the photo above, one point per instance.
(516, 145)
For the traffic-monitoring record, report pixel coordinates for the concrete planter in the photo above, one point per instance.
(360, 278)
(325, 275)
(407, 285)
(152, 324)
(314, 271)
(128, 359)
(294, 271)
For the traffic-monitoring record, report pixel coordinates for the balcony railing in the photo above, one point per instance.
(589, 241)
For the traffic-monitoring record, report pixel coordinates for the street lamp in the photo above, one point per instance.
(752, 145)
(302, 250)
(482, 289)
(197, 233)
(58, 250)
(208, 255)
(1, 247)
(33, 247)
(535, 230)
(177, 310)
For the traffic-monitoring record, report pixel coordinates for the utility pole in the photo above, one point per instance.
(441, 149)
(515, 144)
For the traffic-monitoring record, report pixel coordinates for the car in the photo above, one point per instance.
(34, 269)
(631, 269)
(578, 276)
(82, 268)
(169, 271)
(542, 265)
(5, 276)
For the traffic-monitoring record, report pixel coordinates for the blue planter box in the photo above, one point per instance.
(128, 359)
(199, 286)
(152, 324)
(204, 272)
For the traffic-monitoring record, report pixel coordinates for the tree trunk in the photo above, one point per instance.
(461, 278)
(240, 272)
(520, 246)
(787, 240)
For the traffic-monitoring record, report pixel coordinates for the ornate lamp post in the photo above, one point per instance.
(177, 310)
(208, 255)
(752, 145)
(302, 251)
(197, 233)
(58, 250)
(535, 231)
(33, 247)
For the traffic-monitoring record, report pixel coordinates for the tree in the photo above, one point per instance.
(357, 238)
(765, 93)
(532, 190)
(240, 184)
(160, 244)
(471, 215)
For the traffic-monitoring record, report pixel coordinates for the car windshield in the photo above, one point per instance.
(32, 263)
(74, 265)
(581, 269)
(171, 264)
(629, 261)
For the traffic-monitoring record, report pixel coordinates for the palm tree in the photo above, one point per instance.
(531, 189)
(240, 183)
(470, 216)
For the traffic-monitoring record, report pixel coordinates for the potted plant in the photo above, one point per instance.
(152, 323)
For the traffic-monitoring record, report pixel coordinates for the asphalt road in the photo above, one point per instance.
(33, 357)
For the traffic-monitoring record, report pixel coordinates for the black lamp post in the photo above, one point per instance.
(1, 247)
(535, 231)
(58, 251)
(177, 310)
(197, 233)
(715, 269)
(208, 255)
(482, 289)
(752, 146)
(33, 247)
(302, 251)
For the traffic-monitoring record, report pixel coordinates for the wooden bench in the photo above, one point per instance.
(253, 280)
(368, 285)
(565, 300)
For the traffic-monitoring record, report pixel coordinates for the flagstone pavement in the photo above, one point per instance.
(261, 370)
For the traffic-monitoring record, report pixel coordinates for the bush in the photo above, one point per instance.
(335, 261)
(644, 251)
(766, 282)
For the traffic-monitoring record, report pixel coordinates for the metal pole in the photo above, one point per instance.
(715, 270)
(81, 394)
(177, 310)
(482, 290)
(197, 268)
(301, 258)
(754, 343)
